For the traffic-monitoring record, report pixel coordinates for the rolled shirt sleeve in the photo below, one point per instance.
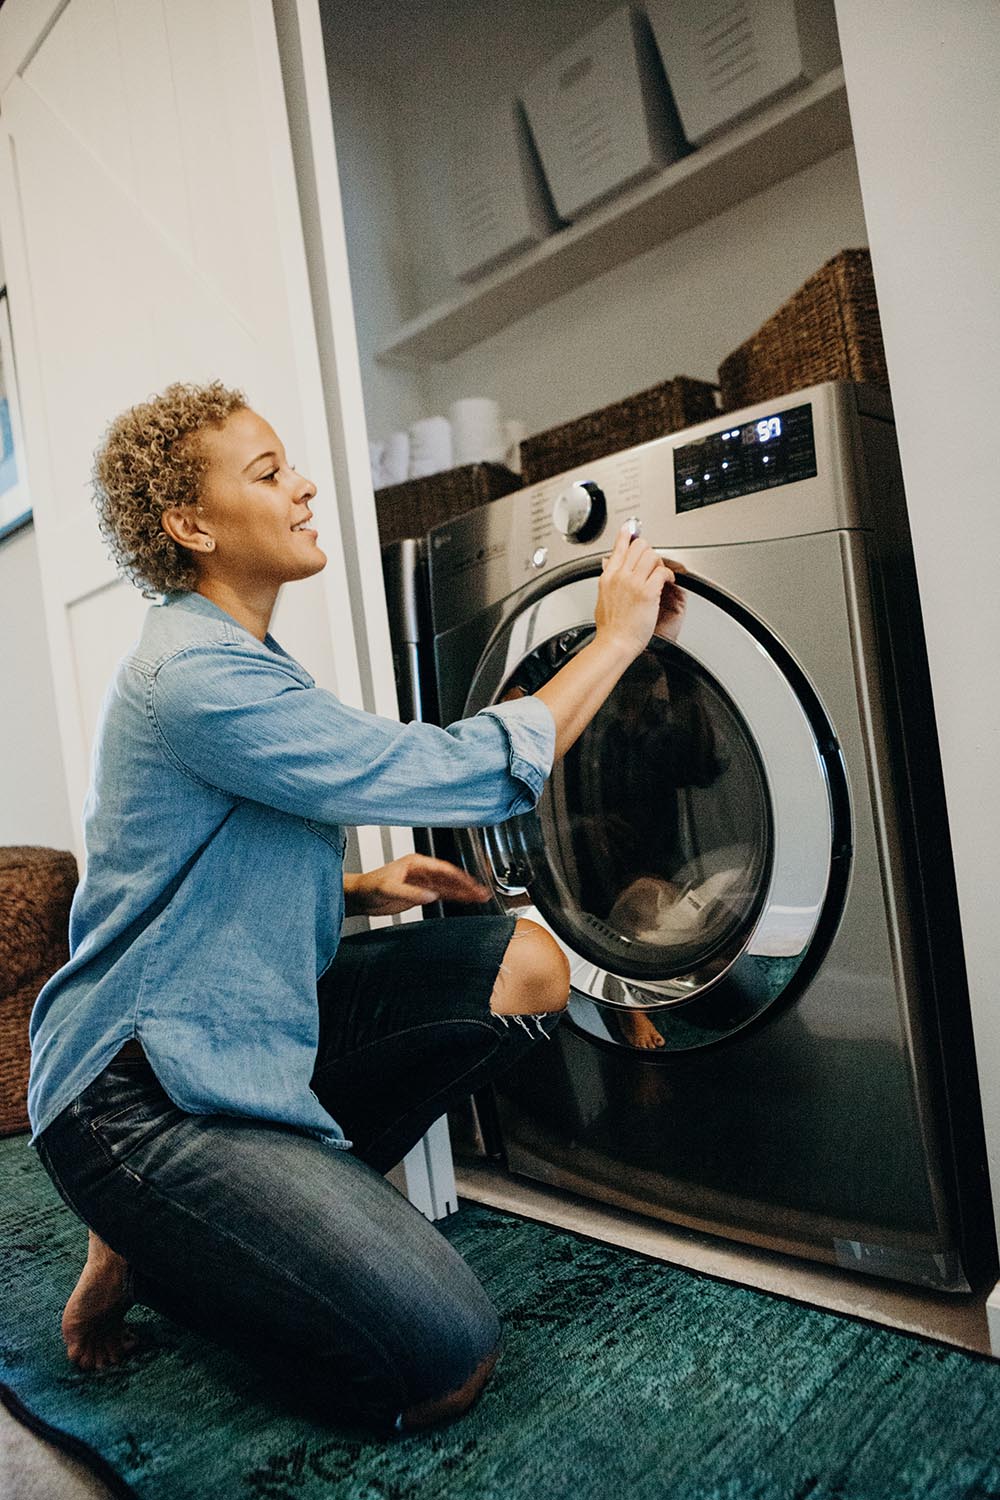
(248, 725)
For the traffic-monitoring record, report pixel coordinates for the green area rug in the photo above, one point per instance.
(620, 1377)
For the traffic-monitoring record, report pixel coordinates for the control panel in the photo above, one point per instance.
(798, 459)
(753, 455)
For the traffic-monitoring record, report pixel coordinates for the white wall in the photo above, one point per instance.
(406, 79)
(924, 96)
(33, 805)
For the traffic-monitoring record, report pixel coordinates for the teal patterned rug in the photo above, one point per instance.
(620, 1377)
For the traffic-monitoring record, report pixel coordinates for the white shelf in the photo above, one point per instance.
(793, 134)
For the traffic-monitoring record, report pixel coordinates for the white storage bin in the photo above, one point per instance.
(601, 113)
(726, 58)
(499, 203)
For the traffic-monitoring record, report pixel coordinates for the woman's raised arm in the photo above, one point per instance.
(630, 605)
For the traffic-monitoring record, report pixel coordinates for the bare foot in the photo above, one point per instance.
(93, 1325)
(639, 1030)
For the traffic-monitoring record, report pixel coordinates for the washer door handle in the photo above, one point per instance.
(509, 866)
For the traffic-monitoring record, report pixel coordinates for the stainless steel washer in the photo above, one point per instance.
(745, 856)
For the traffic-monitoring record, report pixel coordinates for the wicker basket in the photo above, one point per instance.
(36, 889)
(653, 413)
(829, 330)
(413, 508)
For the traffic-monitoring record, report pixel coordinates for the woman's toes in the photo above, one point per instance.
(93, 1321)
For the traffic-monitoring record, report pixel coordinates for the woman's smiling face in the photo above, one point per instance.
(254, 518)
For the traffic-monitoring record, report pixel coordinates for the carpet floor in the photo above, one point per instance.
(620, 1376)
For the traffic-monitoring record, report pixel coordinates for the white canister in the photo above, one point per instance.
(477, 431)
(376, 456)
(514, 433)
(396, 459)
(430, 447)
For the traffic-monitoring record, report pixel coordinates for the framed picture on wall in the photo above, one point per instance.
(15, 507)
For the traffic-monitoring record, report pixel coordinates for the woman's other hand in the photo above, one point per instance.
(411, 880)
(673, 603)
(633, 580)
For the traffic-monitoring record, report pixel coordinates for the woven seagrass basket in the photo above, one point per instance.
(650, 414)
(829, 330)
(413, 508)
(36, 889)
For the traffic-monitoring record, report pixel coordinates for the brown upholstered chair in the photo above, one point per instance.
(36, 889)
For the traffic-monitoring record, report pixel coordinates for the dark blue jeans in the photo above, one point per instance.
(301, 1257)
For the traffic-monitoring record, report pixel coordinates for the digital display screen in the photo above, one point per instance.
(748, 456)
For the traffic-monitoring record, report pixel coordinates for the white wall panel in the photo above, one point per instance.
(80, 72)
(33, 805)
(93, 323)
(224, 154)
(158, 181)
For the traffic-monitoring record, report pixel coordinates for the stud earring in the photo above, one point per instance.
(209, 545)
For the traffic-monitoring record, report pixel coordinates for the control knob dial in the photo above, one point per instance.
(580, 512)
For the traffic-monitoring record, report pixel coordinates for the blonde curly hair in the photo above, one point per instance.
(147, 463)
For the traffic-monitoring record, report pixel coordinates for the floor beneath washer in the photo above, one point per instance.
(33, 1470)
(959, 1321)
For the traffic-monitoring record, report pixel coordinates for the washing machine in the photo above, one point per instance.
(745, 856)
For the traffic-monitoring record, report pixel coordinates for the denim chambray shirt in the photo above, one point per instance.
(213, 894)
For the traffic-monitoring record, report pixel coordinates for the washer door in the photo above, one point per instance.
(691, 848)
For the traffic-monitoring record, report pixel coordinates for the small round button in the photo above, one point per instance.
(539, 557)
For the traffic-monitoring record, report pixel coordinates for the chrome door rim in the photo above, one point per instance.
(717, 635)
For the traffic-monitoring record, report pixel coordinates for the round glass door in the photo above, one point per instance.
(650, 851)
(694, 843)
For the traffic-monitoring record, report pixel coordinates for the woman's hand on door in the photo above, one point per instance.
(672, 606)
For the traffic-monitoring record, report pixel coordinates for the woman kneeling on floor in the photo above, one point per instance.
(219, 1082)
